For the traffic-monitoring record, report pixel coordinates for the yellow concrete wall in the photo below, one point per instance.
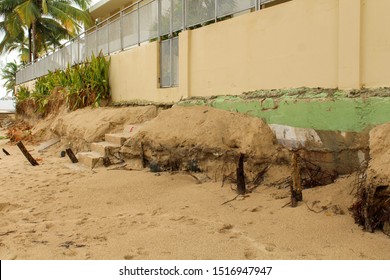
(134, 75)
(375, 43)
(349, 44)
(294, 44)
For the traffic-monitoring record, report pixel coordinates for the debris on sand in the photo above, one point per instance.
(19, 131)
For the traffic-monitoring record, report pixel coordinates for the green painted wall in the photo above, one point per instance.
(320, 110)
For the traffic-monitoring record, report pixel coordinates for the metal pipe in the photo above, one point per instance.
(138, 25)
(215, 10)
(170, 62)
(108, 38)
(78, 50)
(121, 29)
(171, 21)
(96, 40)
(184, 3)
(158, 19)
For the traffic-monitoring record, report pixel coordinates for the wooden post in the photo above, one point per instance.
(6, 152)
(241, 188)
(71, 155)
(106, 161)
(142, 154)
(368, 205)
(27, 154)
(296, 188)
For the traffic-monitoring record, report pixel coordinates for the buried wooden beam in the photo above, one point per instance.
(71, 155)
(241, 188)
(27, 154)
(296, 187)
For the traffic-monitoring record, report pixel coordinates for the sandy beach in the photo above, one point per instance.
(60, 210)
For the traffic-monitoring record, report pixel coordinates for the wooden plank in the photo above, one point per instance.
(47, 144)
(27, 154)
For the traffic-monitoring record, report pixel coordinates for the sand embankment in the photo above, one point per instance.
(59, 210)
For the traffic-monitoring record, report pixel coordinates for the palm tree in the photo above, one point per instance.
(11, 26)
(44, 21)
(8, 73)
(19, 45)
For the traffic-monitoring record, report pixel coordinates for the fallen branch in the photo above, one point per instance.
(193, 176)
(312, 174)
(312, 210)
(282, 183)
(231, 200)
(259, 177)
(230, 177)
(288, 203)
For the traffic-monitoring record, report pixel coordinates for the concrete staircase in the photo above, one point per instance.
(107, 152)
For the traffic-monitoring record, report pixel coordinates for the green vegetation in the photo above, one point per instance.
(22, 94)
(8, 73)
(79, 86)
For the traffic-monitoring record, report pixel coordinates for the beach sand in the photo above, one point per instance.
(60, 210)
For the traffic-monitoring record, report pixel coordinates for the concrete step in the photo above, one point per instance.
(90, 159)
(105, 148)
(117, 138)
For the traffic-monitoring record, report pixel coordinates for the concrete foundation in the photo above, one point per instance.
(329, 127)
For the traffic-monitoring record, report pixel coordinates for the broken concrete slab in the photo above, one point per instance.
(90, 159)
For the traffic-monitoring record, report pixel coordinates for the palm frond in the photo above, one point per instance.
(28, 12)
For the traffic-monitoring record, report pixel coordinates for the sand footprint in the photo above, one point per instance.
(249, 254)
(139, 253)
(226, 228)
(6, 207)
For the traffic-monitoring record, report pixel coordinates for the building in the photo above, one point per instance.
(163, 50)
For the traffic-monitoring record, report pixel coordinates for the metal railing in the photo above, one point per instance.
(141, 22)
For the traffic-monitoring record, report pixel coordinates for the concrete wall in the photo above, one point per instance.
(328, 110)
(289, 45)
(302, 43)
(134, 75)
(375, 43)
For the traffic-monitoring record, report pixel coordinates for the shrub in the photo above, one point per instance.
(82, 85)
